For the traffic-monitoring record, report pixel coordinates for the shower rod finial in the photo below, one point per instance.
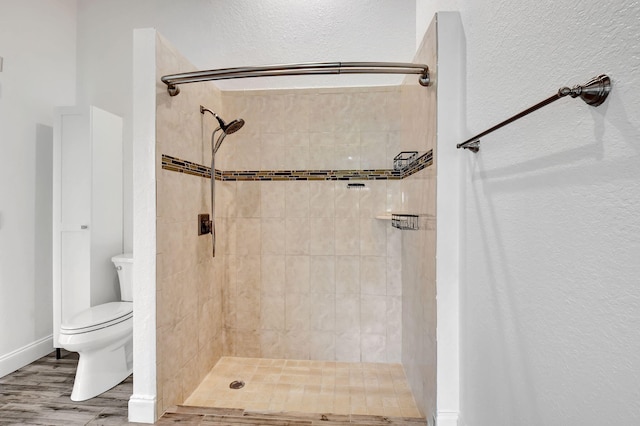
(594, 92)
(473, 146)
(173, 90)
(425, 78)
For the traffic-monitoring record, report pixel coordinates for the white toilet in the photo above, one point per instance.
(103, 337)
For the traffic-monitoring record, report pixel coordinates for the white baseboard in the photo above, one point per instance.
(142, 408)
(25, 355)
(447, 418)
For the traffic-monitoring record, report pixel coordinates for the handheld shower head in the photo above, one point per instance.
(233, 126)
(227, 128)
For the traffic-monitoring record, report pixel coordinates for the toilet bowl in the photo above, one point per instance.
(103, 337)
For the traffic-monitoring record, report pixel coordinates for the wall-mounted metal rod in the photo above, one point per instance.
(594, 92)
(309, 68)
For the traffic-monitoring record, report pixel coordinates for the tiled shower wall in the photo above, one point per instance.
(337, 128)
(189, 295)
(418, 247)
(303, 269)
(312, 274)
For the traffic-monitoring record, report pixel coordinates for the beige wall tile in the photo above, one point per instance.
(272, 343)
(322, 275)
(297, 274)
(247, 155)
(272, 316)
(418, 247)
(347, 275)
(394, 275)
(297, 311)
(297, 236)
(248, 236)
(297, 199)
(321, 236)
(273, 236)
(347, 236)
(321, 199)
(226, 199)
(347, 201)
(297, 157)
(348, 347)
(183, 300)
(373, 276)
(373, 347)
(297, 107)
(373, 150)
(372, 308)
(273, 274)
(273, 199)
(323, 312)
(373, 237)
(248, 199)
(272, 151)
(348, 313)
(373, 199)
(322, 345)
(296, 344)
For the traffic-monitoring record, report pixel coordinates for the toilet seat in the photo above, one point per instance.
(97, 317)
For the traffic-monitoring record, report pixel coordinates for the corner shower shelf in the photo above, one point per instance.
(404, 159)
(384, 216)
(403, 221)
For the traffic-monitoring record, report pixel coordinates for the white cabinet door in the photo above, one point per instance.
(71, 215)
(87, 210)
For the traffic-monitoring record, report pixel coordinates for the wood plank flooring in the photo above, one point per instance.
(38, 394)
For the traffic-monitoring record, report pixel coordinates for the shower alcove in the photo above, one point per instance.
(307, 280)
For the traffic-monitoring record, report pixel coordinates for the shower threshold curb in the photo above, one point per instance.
(232, 416)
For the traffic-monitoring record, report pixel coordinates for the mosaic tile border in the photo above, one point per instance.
(182, 166)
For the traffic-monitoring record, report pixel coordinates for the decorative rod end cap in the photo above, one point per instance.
(594, 92)
(473, 146)
(425, 79)
(173, 90)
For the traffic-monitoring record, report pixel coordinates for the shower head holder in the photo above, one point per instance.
(227, 128)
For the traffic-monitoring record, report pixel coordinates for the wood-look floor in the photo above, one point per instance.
(38, 394)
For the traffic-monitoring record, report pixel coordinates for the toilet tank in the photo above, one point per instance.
(124, 265)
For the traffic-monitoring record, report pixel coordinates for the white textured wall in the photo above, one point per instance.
(550, 303)
(37, 42)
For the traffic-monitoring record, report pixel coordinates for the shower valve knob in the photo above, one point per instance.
(204, 224)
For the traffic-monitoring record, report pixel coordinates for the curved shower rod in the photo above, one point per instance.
(309, 68)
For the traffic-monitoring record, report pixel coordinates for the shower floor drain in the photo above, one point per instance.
(236, 384)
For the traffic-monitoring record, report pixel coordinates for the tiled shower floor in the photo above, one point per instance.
(307, 386)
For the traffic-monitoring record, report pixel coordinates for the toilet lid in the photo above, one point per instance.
(98, 317)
